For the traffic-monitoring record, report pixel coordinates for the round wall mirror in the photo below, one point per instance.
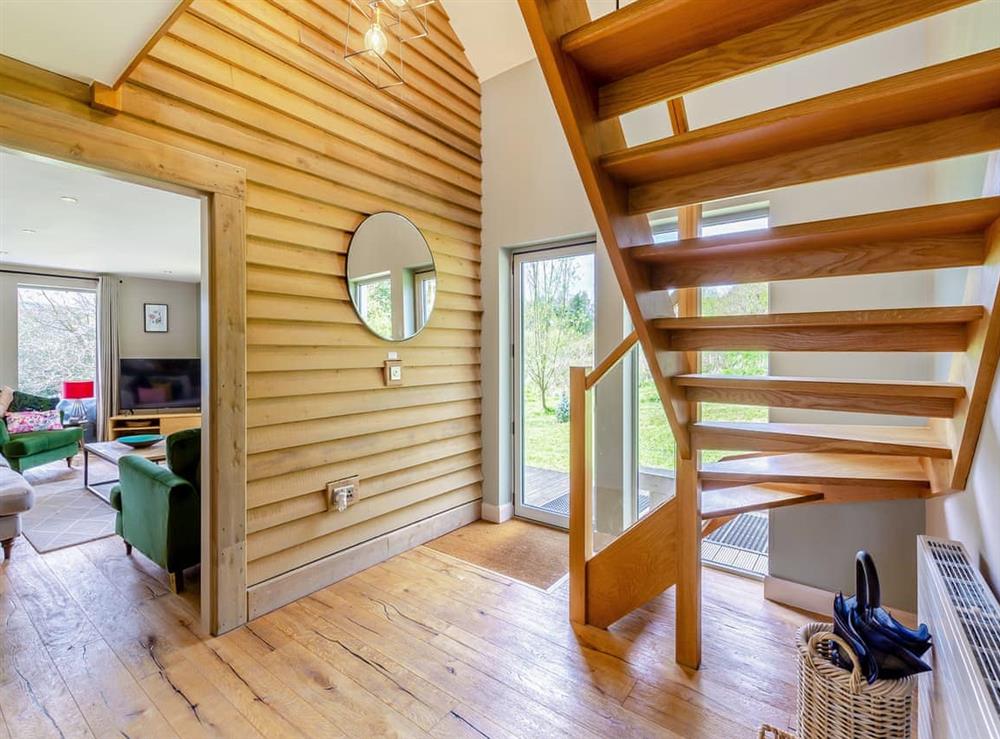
(391, 276)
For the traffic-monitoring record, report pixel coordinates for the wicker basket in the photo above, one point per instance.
(770, 732)
(836, 704)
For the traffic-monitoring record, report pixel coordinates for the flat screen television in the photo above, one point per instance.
(155, 384)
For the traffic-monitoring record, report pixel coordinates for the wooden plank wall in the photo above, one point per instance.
(262, 84)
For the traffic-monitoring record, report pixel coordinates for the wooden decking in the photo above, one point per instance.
(92, 644)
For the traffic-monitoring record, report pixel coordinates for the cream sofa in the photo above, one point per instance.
(16, 497)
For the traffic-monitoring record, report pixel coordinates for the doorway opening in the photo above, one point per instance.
(100, 275)
(553, 329)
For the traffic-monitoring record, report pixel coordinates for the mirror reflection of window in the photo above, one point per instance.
(425, 287)
(391, 276)
(373, 297)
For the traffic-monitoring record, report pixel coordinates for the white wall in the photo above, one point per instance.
(184, 305)
(531, 194)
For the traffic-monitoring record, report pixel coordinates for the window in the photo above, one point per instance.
(374, 299)
(56, 337)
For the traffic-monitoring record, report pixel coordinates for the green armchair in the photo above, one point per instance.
(159, 508)
(24, 451)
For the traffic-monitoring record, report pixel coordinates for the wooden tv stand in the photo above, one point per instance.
(151, 423)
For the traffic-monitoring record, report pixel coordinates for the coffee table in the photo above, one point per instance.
(112, 451)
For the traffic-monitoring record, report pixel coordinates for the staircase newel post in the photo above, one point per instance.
(581, 512)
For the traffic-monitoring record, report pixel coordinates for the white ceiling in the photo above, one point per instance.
(115, 227)
(84, 39)
(494, 35)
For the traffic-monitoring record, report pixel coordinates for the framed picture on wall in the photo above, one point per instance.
(155, 318)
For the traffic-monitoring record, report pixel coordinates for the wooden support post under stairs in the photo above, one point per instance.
(688, 616)
(688, 534)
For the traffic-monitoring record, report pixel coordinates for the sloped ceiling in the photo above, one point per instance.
(494, 35)
(84, 39)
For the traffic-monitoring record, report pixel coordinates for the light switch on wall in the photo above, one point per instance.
(393, 372)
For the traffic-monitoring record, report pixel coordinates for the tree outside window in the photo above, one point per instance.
(56, 338)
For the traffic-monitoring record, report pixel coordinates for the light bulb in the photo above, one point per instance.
(376, 40)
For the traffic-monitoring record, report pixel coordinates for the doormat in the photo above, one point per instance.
(537, 555)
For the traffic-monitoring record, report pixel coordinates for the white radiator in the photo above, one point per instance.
(960, 699)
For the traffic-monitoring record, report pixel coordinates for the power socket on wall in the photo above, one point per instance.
(341, 494)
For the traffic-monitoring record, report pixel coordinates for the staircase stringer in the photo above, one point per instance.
(976, 368)
(589, 138)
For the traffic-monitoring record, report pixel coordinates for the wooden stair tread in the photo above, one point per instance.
(882, 317)
(903, 388)
(897, 398)
(650, 32)
(655, 50)
(906, 329)
(821, 469)
(893, 440)
(937, 112)
(726, 502)
(927, 237)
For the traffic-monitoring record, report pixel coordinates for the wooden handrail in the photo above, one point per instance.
(611, 360)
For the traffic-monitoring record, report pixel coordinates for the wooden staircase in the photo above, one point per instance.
(658, 50)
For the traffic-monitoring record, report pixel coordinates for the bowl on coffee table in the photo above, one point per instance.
(140, 441)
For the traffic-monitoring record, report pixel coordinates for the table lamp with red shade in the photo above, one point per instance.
(77, 391)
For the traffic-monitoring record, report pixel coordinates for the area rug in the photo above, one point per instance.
(65, 512)
(537, 555)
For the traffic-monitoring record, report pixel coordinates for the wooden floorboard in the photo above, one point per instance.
(423, 644)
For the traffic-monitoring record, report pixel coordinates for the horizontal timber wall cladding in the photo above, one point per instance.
(262, 84)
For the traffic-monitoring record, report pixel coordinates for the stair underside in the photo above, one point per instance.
(727, 502)
(923, 399)
(912, 329)
(915, 441)
(938, 112)
(929, 237)
(839, 470)
(658, 50)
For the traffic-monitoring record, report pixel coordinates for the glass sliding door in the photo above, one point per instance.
(553, 329)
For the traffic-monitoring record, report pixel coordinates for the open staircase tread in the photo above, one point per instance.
(649, 32)
(654, 50)
(837, 438)
(914, 388)
(842, 318)
(958, 217)
(727, 502)
(821, 468)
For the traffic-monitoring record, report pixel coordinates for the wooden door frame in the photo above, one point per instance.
(37, 130)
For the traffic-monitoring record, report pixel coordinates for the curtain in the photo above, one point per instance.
(107, 351)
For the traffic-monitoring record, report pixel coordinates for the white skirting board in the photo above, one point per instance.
(814, 600)
(498, 514)
(300, 582)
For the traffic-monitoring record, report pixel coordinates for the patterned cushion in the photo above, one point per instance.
(27, 421)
